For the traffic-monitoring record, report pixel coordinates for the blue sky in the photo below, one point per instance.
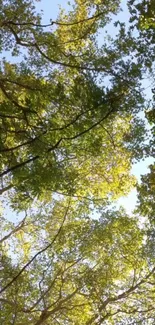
(51, 9)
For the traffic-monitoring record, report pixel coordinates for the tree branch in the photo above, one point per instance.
(16, 229)
(120, 296)
(37, 254)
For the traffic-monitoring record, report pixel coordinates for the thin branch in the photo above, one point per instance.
(23, 144)
(40, 288)
(8, 302)
(80, 196)
(57, 144)
(11, 169)
(120, 296)
(110, 136)
(11, 116)
(4, 189)
(37, 254)
(91, 127)
(13, 101)
(46, 313)
(43, 295)
(68, 65)
(16, 229)
(14, 82)
(5, 23)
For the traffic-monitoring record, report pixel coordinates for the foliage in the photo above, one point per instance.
(62, 128)
(147, 14)
(70, 129)
(81, 271)
(146, 194)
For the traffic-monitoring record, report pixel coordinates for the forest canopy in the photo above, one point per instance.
(74, 118)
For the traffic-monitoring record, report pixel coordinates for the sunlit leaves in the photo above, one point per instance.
(70, 131)
(82, 268)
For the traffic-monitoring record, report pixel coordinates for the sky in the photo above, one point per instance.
(51, 9)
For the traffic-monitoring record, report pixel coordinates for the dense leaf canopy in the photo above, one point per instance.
(72, 107)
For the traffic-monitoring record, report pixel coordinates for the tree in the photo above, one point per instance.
(85, 272)
(146, 193)
(142, 24)
(146, 10)
(70, 131)
(62, 128)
